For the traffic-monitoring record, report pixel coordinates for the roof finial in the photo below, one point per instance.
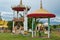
(41, 4)
(20, 2)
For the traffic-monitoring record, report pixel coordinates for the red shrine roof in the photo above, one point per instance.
(41, 13)
(18, 8)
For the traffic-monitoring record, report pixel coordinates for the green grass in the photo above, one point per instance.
(9, 36)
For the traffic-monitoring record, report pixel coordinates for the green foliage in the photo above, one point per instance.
(10, 24)
(19, 23)
(29, 23)
(54, 26)
(59, 26)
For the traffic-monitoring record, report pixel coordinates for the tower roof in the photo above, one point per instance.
(41, 13)
(21, 4)
(20, 7)
(41, 10)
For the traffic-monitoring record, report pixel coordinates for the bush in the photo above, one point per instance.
(10, 24)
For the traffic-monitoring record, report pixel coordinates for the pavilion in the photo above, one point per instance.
(41, 13)
(24, 9)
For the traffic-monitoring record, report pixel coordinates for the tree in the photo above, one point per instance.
(10, 23)
(29, 23)
(54, 26)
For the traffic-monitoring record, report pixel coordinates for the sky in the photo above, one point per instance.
(52, 6)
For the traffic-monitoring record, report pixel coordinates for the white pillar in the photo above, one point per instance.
(33, 20)
(25, 20)
(32, 28)
(25, 23)
(13, 21)
(48, 27)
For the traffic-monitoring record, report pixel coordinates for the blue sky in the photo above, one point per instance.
(52, 6)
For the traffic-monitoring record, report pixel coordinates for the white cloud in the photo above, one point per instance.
(7, 15)
(57, 19)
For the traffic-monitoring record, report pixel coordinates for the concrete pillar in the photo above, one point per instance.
(13, 21)
(25, 20)
(25, 23)
(33, 20)
(48, 27)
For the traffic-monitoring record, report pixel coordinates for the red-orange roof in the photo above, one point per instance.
(19, 8)
(41, 13)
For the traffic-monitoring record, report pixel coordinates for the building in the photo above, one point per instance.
(3, 24)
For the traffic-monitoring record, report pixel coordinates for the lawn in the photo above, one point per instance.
(9, 36)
